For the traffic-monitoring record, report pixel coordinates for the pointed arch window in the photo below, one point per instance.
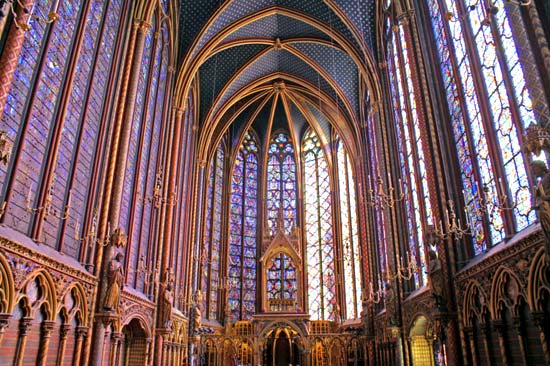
(318, 224)
(213, 235)
(281, 182)
(490, 106)
(411, 153)
(243, 231)
(351, 248)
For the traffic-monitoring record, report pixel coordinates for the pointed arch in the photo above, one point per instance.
(319, 238)
(7, 286)
(243, 230)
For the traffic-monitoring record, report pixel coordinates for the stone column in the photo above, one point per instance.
(473, 350)
(148, 353)
(81, 333)
(485, 334)
(116, 339)
(24, 327)
(11, 51)
(521, 338)
(4, 319)
(499, 326)
(64, 333)
(101, 323)
(538, 318)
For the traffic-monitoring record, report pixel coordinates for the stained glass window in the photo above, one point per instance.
(281, 278)
(243, 226)
(84, 111)
(351, 249)
(319, 237)
(414, 182)
(50, 101)
(487, 140)
(213, 235)
(281, 182)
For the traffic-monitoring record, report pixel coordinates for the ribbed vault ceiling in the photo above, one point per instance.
(306, 57)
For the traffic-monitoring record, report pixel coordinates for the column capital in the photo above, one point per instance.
(25, 325)
(142, 26)
(65, 328)
(81, 331)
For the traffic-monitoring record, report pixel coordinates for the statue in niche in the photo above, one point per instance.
(541, 198)
(166, 310)
(390, 300)
(197, 316)
(437, 280)
(115, 278)
(336, 315)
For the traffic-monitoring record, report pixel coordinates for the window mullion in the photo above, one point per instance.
(487, 117)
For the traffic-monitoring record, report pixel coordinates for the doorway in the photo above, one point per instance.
(281, 348)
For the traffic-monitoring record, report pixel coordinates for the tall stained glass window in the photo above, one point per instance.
(213, 235)
(50, 101)
(318, 223)
(351, 249)
(281, 182)
(243, 226)
(411, 154)
(489, 152)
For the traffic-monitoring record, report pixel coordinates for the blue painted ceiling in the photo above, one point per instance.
(310, 52)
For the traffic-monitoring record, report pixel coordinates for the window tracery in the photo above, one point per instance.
(319, 235)
(281, 183)
(351, 248)
(411, 153)
(494, 174)
(243, 231)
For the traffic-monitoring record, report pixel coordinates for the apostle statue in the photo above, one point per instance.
(166, 310)
(437, 280)
(197, 316)
(115, 278)
(541, 198)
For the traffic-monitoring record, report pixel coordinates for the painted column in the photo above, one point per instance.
(4, 319)
(81, 333)
(500, 330)
(24, 327)
(12, 50)
(65, 328)
(45, 336)
(538, 318)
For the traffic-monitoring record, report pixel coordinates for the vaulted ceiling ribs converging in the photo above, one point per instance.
(239, 51)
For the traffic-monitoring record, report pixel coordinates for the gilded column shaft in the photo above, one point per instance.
(11, 51)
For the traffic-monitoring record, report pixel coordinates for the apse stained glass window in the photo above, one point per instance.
(351, 249)
(487, 140)
(213, 235)
(281, 183)
(318, 224)
(411, 155)
(281, 278)
(243, 226)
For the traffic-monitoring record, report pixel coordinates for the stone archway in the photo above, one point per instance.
(134, 346)
(421, 345)
(281, 347)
